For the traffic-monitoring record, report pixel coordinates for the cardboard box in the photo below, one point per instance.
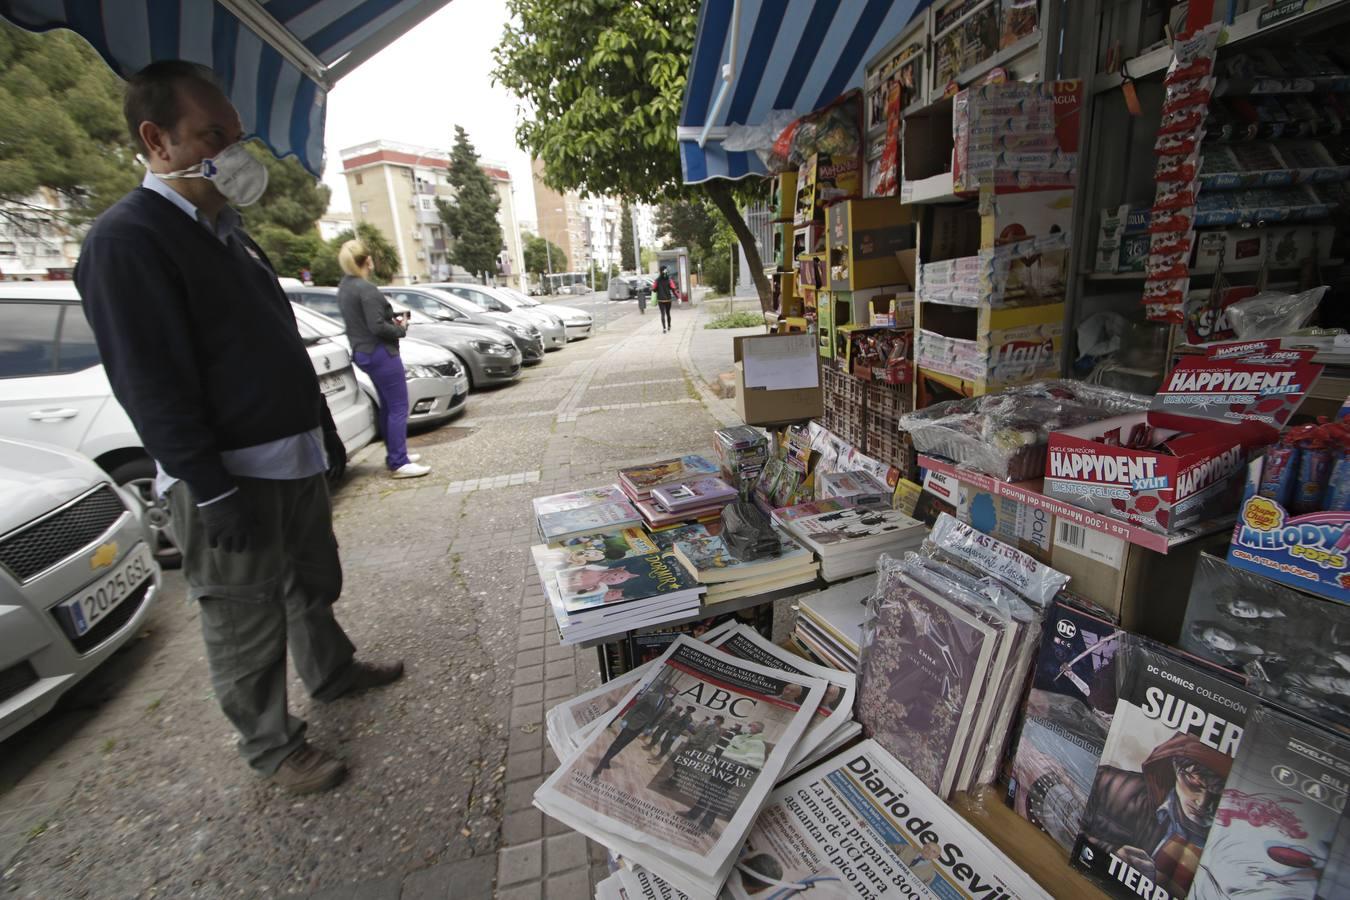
(985, 348)
(1033, 271)
(788, 356)
(909, 263)
(1310, 552)
(1028, 529)
(863, 237)
(1121, 228)
(1147, 591)
(948, 232)
(893, 304)
(1208, 415)
(1016, 136)
(1012, 218)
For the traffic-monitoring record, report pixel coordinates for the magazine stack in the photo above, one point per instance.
(638, 482)
(829, 623)
(948, 648)
(848, 540)
(604, 584)
(562, 517)
(742, 452)
(694, 500)
(727, 575)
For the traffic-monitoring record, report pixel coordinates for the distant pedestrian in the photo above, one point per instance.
(374, 332)
(202, 351)
(305, 277)
(666, 291)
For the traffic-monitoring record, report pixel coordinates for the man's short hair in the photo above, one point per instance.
(152, 94)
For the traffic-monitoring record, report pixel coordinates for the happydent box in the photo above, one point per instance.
(1182, 461)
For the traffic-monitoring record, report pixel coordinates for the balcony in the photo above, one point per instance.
(428, 216)
(438, 245)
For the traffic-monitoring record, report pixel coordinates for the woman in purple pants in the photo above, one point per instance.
(374, 332)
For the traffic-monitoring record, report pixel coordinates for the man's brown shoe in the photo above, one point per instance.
(372, 675)
(309, 770)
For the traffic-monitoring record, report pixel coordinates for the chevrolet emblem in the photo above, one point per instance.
(104, 556)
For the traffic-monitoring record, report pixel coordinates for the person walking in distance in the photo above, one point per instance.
(374, 332)
(666, 291)
(202, 351)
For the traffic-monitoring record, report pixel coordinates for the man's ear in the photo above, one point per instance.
(156, 141)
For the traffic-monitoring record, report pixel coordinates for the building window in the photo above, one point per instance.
(365, 207)
(358, 178)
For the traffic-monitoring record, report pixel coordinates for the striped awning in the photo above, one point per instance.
(754, 57)
(277, 59)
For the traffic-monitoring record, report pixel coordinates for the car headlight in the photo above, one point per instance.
(557, 321)
(491, 348)
(411, 372)
(518, 330)
(579, 320)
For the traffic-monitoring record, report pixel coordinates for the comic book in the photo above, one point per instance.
(1276, 824)
(1175, 732)
(1067, 715)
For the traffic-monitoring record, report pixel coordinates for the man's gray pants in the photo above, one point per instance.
(278, 592)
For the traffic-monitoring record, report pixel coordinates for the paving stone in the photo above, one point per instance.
(520, 794)
(564, 853)
(522, 827)
(553, 828)
(344, 892)
(529, 658)
(525, 740)
(379, 889)
(524, 862)
(574, 885)
(528, 694)
(524, 765)
(560, 689)
(527, 715)
(531, 891)
(529, 674)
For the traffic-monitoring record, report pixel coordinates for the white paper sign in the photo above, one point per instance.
(781, 363)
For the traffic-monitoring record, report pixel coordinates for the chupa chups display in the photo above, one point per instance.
(1275, 829)
(1182, 461)
(1291, 647)
(1174, 734)
(1067, 716)
(1005, 434)
(1294, 522)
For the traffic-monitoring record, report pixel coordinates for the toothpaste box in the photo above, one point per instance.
(1209, 414)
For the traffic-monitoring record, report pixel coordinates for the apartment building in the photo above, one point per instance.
(37, 241)
(395, 186)
(561, 221)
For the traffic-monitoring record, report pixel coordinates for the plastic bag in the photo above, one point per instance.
(1005, 434)
(762, 137)
(1271, 314)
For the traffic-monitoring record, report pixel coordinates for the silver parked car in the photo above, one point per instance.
(487, 354)
(578, 322)
(445, 306)
(438, 386)
(551, 327)
(77, 575)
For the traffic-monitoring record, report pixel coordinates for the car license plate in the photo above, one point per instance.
(332, 384)
(85, 610)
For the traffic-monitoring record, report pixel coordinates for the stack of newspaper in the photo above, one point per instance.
(829, 623)
(849, 540)
(669, 765)
(858, 825)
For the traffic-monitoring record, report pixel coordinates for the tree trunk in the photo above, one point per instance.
(720, 192)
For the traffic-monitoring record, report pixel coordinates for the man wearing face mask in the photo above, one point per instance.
(201, 348)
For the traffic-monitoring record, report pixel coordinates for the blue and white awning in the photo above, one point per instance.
(755, 57)
(277, 59)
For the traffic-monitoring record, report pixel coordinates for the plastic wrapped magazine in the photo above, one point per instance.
(1005, 434)
(860, 825)
(1292, 647)
(684, 816)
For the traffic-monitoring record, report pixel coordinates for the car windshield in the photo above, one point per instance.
(316, 323)
(516, 298)
(414, 317)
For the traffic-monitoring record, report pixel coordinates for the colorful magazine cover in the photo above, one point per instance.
(610, 493)
(602, 517)
(853, 524)
(1175, 732)
(596, 585)
(692, 494)
(642, 479)
(584, 549)
(921, 677)
(1068, 714)
(1276, 824)
(710, 560)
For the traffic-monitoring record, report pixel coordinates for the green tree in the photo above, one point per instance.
(627, 250)
(538, 252)
(289, 252)
(689, 222)
(324, 267)
(294, 199)
(472, 216)
(62, 125)
(602, 84)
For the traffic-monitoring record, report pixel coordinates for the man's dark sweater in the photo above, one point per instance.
(197, 337)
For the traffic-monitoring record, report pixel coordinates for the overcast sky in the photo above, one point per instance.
(417, 89)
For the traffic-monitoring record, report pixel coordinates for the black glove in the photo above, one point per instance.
(337, 454)
(228, 523)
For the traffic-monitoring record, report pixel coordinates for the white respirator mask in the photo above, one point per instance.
(235, 172)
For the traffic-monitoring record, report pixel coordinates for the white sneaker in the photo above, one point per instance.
(414, 457)
(411, 470)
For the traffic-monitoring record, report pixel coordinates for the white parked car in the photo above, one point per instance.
(53, 389)
(578, 322)
(77, 575)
